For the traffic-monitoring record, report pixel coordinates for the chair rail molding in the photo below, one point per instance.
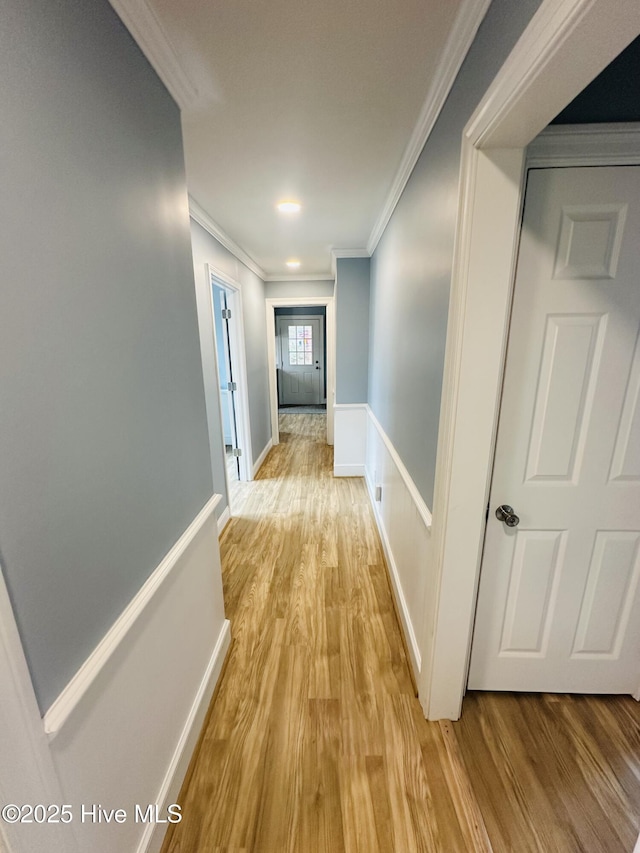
(404, 524)
(146, 667)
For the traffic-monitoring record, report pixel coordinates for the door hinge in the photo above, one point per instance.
(236, 452)
(226, 313)
(232, 386)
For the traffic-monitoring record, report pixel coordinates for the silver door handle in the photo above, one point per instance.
(505, 513)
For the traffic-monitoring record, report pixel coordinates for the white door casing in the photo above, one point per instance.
(558, 604)
(567, 43)
(301, 372)
(237, 354)
(271, 303)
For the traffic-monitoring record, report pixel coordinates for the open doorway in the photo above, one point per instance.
(231, 372)
(227, 385)
(301, 358)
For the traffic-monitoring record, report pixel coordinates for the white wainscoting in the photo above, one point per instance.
(404, 523)
(350, 439)
(363, 448)
(123, 731)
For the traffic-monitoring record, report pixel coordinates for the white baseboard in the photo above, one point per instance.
(407, 624)
(125, 737)
(154, 833)
(258, 463)
(224, 519)
(404, 523)
(348, 470)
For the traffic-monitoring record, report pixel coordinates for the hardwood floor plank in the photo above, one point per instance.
(541, 777)
(316, 742)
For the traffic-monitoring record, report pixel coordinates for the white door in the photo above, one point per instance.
(559, 603)
(301, 371)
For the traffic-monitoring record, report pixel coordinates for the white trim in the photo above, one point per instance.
(224, 519)
(417, 498)
(567, 43)
(144, 25)
(239, 366)
(28, 774)
(346, 253)
(153, 835)
(271, 303)
(460, 39)
(258, 463)
(355, 406)
(321, 276)
(586, 145)
(350, 439)
(407, 624)
(67, 701)
(348, 470)
(200, 215)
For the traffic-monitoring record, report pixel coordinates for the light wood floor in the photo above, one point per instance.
(315, 741)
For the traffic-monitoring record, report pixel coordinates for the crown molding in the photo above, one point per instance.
(350, 253)
(200, 215)
(462, 34)
(152, 39)
(324, 276)
(497, 122)
(586, 145)
(347, 253)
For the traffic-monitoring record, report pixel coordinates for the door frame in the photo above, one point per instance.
(238, 369)
(559, 53)
(321, 318)
(285, 302)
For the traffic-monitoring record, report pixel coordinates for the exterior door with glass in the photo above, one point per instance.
(300, 361)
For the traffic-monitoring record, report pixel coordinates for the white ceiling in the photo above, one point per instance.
(327, 103)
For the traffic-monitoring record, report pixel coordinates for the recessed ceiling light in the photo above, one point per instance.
(289, 207)
(293, 264)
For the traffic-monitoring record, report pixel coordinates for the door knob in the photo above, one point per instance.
(505, 513)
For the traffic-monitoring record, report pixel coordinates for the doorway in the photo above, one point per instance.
(227, 385)
(301, 359)
(226, 305)
(558, 602)
(540, 77)
(326, 375)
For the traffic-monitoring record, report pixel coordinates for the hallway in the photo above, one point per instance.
(315, 740)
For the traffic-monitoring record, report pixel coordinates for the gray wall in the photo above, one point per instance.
(207, 250)
(411, 267)
(104, 457)
(352, 329)
(298, 289)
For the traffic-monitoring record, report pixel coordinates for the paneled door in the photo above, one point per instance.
(559, 602)
(301, 361)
